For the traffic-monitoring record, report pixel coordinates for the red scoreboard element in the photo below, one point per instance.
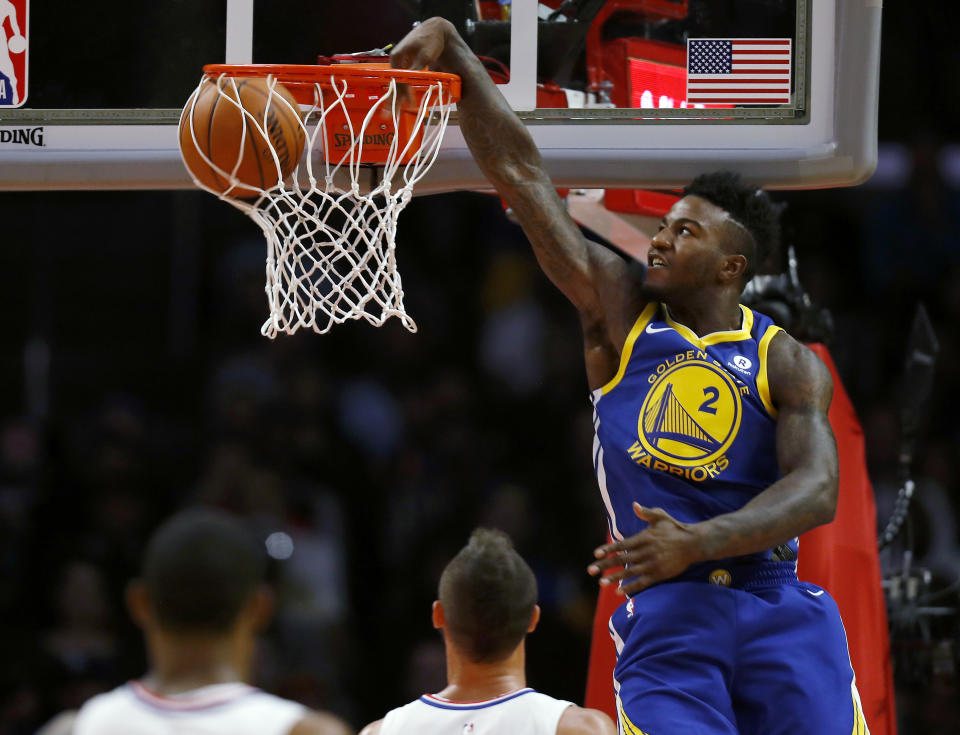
(657, 85)
(14, 45)
(610, 66)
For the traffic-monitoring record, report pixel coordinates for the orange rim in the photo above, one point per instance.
(365, 74)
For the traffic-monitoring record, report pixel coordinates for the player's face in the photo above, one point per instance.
(686, 252)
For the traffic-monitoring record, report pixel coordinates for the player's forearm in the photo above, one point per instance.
(798, 502)
(508, 157)
(498, 140)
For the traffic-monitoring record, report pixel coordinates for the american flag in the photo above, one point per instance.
(739, 71)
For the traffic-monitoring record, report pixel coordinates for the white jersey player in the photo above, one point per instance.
(487, 606)
(200, 603)
(234, 708)
(524, 712)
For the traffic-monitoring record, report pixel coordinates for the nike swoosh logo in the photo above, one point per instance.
(817, 593)
(653, 330)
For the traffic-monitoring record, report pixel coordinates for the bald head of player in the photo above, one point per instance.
(487, 605)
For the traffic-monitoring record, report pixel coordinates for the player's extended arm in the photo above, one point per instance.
(581, 721)
(595, 279)
(804, 497)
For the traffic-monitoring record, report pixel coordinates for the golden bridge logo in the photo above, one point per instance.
(691, 414)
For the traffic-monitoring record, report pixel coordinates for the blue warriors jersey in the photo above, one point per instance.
(687, 423)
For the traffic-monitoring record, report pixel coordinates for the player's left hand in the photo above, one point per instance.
(422, 47)
(661, 551)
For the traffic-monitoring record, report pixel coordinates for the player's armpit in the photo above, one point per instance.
(321, 723)
(581, 721)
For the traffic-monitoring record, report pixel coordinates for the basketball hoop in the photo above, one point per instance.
(369, 133)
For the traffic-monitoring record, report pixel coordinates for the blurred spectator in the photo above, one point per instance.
(511, 341)
(81, 640)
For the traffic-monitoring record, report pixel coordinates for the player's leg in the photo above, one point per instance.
(793, 672)
(675, 660)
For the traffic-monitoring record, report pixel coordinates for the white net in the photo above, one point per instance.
(331, 222)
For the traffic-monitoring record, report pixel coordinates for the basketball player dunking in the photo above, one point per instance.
(200, 603)
(487, 605)
(713, 451)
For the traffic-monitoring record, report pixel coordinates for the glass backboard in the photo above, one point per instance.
(617, 93)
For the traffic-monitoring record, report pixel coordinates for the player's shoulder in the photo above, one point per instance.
(796, 371)
(320, 723)
(372, 729)
(582, 721)
(787, 351)
(62, 724)
(101, 710)
(119, 696)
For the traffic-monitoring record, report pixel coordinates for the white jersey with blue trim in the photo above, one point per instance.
(523, 712)
(227, 709)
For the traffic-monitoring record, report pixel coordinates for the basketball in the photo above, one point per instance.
(222, 135)
(17, 44)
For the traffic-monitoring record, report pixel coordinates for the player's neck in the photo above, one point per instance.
(183, 663)
(705, 316)
(473, 682)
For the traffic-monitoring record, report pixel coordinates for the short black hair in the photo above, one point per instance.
(200, 568)
(748, 205)
(488, 593)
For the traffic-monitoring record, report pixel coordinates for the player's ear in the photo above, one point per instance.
(732, 267)
(138, 603)
(534, 619)
(439, 621)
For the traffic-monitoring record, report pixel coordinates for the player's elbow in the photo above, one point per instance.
(518, 172)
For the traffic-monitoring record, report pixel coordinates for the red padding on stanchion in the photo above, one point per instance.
(639, 201)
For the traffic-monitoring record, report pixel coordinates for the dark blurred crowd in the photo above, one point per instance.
(363, 457)
(138, 384)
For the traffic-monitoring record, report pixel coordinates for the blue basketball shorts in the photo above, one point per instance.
(755, 652)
